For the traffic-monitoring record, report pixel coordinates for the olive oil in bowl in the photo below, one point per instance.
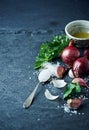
(81, 35)
(79, 31)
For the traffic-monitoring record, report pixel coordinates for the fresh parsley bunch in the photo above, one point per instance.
(51, 50)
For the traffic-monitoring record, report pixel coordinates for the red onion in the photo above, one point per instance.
(86, 53)
(81, 67)
(70, 54)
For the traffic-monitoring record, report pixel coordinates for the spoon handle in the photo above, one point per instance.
(30, 98)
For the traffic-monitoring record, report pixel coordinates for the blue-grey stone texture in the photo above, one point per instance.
(24, 26)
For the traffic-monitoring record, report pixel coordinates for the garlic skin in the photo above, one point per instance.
(44, 75)
(60, 70)
(71, 75)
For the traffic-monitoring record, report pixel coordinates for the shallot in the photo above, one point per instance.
(81, 67)
(86, 53)
(70, 54)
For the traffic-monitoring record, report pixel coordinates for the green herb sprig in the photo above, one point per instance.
(70, 89)
(51, 50)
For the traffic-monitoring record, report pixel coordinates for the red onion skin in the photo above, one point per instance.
(70, 54)
(81, 67)
(86, 53)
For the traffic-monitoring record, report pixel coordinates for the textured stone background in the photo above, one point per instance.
(24, 25)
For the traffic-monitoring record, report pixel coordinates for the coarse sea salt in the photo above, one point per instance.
(70, 111)
(66, 109)
(51, 67)
(38, 119)
(30, 77)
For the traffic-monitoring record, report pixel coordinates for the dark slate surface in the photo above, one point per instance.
(24, 25)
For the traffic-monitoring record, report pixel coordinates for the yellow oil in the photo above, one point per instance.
(81, 35)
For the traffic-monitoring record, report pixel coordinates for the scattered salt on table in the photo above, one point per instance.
(51, 67)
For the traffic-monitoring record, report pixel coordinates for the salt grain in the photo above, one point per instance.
(87, 90)
(29, 66)
(58, 106)
(71, 111)
(38, 119)
(68, 110)
(79, 113)
(30, 78)
(74, 112)
(51, 67)
(82, 113)
(70, 114)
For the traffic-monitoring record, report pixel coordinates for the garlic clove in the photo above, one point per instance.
(70, 73)
(60, 70)
(49, 96)
(44, 75)
(80, 81)
(59, 83)
(74, 103)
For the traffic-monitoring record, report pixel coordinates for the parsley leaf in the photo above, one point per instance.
(51, 50)
(77, 88)
(70, 89)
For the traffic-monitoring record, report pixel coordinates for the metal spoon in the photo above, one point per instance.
(30, 98)
(43, 77)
